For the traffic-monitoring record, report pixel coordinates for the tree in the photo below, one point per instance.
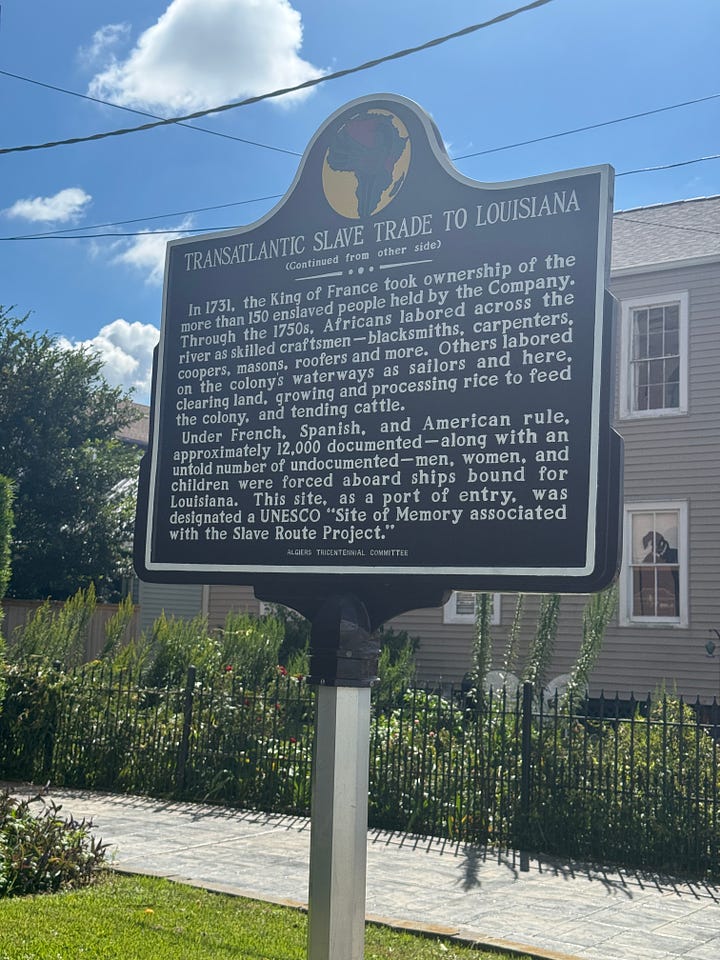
(73, 479)
(6, 525)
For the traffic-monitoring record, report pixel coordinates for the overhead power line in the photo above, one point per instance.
(669, 166)
(665, 226)
(620, 215)
(463, 156)
(144, 113)
(589, 126)
(65, 233)
(155, 216)
(307, 84)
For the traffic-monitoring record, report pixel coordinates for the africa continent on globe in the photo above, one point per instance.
(366, 164)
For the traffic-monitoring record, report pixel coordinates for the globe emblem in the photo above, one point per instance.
(366, 163)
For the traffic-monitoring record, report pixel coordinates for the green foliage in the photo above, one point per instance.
(543, 645)
(56, 633)
(396, 664)
(510, 657)
(44, 853)
(173, 645)
(247, 646)
(73, 479)
(116, 629)
(6, 525)
(28, 721)
(295, 649)
(483, 645)
(643, 789)
(251, 646)
(409, 744)
(597, 614)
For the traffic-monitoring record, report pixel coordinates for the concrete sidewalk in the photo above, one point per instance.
(553, 910)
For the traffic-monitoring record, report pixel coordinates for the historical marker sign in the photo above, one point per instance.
(397, 373)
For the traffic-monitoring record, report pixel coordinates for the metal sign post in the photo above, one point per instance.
(343, 665)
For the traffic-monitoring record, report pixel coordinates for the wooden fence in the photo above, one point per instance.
(17, 612)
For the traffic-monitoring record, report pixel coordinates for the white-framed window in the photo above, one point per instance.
(460, 608)
(654, 356)
(654, 580)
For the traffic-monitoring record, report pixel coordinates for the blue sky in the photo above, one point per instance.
(561, 66)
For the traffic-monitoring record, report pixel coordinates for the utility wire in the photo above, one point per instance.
(144, 113)
(307, 84)
(590, 126)
(157, 216)
(463, 156)
(669, 166)
(665, 226)
(142, 233)
(59, 234)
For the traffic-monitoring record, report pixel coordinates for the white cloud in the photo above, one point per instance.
(126, 350)
(202, 53)
(66, 205)
(147, 253)
(103, 41)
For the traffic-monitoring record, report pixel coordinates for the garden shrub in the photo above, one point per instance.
(44, 853)
(251, 646)
(175, 644)
(116, 629)
(543, 644)
(396, 665)
(28, 721)
(56, 634)
(294, 652)
(598, 613)
(6, 521)
(482, 653)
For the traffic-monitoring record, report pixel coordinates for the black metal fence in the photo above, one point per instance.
(633, 782)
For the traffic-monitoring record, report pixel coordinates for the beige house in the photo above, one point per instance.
(666, 280)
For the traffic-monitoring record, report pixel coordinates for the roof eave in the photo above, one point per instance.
(664, 265)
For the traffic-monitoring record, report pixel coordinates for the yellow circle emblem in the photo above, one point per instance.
(366, 164)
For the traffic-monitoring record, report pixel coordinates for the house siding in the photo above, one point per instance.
(183, 601)
(223, 599)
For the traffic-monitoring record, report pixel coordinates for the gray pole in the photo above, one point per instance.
(338, 839)
(343, 666)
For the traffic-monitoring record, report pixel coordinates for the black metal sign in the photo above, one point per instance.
(399, 375)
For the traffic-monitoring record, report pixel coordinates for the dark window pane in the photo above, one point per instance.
(672, 395)
(644, 592)
(640, 346)
(672, 370)
(656, 371)
(655, 344)
(656, 397)
(668, 592)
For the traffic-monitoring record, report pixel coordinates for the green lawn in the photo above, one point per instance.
(140, 918)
